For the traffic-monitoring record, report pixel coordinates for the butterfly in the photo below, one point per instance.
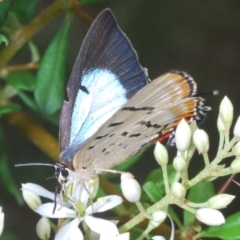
(113, 110)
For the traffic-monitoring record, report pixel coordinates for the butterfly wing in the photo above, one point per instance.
(105, 75)
(151, 114)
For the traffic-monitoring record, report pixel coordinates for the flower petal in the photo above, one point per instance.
(101, 226)
(37, 189)
(105, 203)
(46, 210)
(66, 231)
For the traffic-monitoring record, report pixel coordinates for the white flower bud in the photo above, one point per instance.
(210, 216)
(220, 201)
(179, 164)
(236, 149)
(236, 130)
(1, 221)
(201, 141)
(183, 135)
(226, 112)
(178, 190)
(157, 218)
(220, 125)
(32, 200)
(43, 228)
(235, 166)
(130, 188)
(161, 154)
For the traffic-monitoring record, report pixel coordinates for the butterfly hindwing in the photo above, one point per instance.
(150, 114)
(105, 76)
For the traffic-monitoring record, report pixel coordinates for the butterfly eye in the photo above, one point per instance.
(64, 173)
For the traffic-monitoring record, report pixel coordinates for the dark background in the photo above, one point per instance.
(199, 37)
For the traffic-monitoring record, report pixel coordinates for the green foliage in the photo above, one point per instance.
(227, 231)
(199, 193)
(4, 9)
(5, 173)
(49, 89)
(25, 10)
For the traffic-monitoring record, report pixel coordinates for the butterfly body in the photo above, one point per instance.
(113, 111)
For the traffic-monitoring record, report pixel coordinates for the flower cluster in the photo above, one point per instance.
(71, 210)
(75, 207)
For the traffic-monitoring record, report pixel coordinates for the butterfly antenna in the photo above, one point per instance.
(34, 164)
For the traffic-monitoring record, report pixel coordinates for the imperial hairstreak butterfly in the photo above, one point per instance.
(113, 111)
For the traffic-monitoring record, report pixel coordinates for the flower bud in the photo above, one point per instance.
(157, 218)
(130, 188)
(226, 112)
(1, 221)
(220, 201)
(220, 125)
(210, 216)
(179, 164)
(32, 199)
(161, 154)
(178, 190)
(183, 135)
(201, 141)
(43, 228)
(236, 130)
(236, 149)
(235, 166)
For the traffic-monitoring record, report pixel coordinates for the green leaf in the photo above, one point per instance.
(228, 231)
(4, 9)
(21, 80)
(199, 193)
(156, 177)
(28, 101)
(152, 191)
(25, 9)
(49, 89)
(5, 174)
(9, 108)
(174, 216)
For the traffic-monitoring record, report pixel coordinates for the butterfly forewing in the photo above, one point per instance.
(150, 114)
(105, 75)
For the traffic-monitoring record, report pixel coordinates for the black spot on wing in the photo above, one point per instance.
(125, 133)
(148, 124)
(84, 89)
(104, 150)
(111, 135)
(114, 124)
(133, 109)
(91, 147)
(135, 135)
(99, 137)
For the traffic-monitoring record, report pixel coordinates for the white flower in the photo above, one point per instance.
(75, 207)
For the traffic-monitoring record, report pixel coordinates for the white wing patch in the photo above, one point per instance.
(104, 96)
